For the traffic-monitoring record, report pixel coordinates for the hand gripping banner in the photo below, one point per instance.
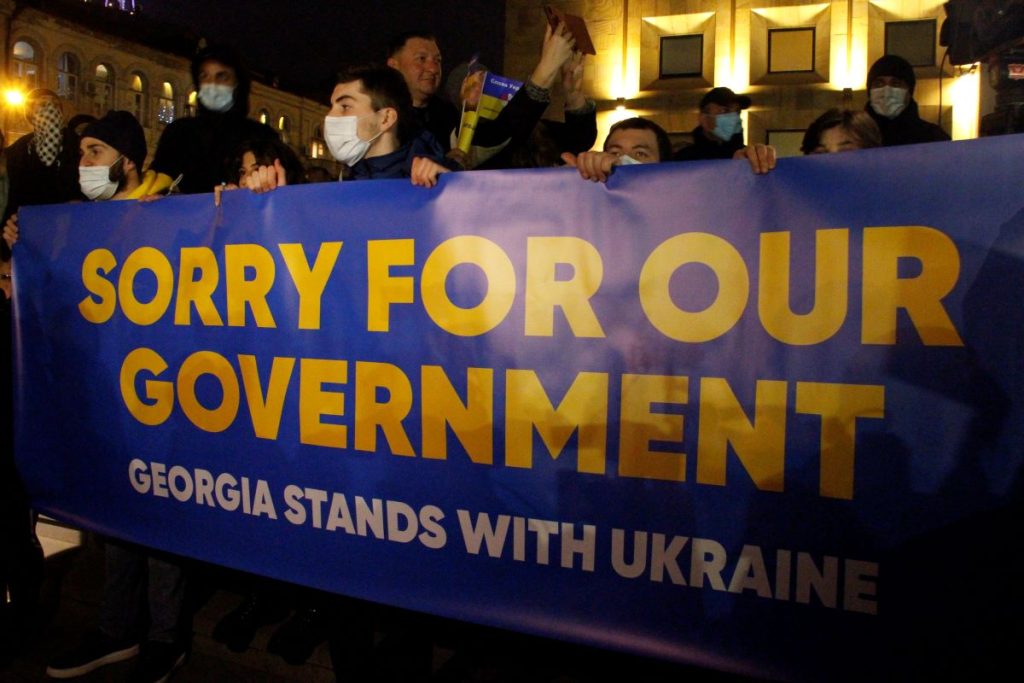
(765, 424)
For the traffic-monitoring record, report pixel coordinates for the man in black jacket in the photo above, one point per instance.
(720, 133)
(199, 148)
(43, 165)
(891, 104)
(417, 57)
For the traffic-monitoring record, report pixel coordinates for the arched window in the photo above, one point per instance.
(284, 127)
(102, 90)
(190, 103)
(69, 69)
(165, 111)
(316, 145)
(25, 64)
(139, 97)
(263, 116)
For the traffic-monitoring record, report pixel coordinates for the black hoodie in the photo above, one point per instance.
(906, 129)
(200, 148)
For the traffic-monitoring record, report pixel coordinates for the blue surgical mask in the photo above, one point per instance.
(728, 125)
(888, 101)
(216, 97)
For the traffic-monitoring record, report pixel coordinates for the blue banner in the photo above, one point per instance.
(767, 424)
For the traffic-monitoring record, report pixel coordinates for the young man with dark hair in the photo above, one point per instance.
(370, 127)
(417, 57)
(632, 141)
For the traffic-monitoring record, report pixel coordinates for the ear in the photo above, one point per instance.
(392, 62)
(389, 119)
(129, 165)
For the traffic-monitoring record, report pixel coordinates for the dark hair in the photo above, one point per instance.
(78, 120)
(266, 150)
(399, 41)
(638, 123)
(859, 124)
(386, 88)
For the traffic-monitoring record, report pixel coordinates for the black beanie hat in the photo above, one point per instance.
(895, 66)
(122, 131)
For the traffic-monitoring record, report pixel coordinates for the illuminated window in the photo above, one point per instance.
(682, 56)
(139, 96)
(790, 50)
(317, 149)
(25, 65)
(190, 103)
(165, 106)
(912, 40)
(284, 127)
(68, 71)
(102, 87)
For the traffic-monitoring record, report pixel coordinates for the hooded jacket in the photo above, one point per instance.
(200, 148)
(906, 129)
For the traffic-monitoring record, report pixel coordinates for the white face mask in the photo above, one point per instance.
(343, 141)
(215, 97)
(888, 101)
(95, 181)
(626, 160)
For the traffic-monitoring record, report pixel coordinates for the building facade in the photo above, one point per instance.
(94, 71)
(795, 58)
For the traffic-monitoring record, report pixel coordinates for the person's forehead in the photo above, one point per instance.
(716, 108)
(36, 102)
(415, 46)
(212, 66)
(88, 143)
(352, 89)
(631, 138)
(837, 135)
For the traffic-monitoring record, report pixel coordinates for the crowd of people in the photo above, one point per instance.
(387, 121)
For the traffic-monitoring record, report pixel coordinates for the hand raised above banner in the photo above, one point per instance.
(761, 157)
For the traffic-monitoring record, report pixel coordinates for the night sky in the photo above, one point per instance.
(305, 42)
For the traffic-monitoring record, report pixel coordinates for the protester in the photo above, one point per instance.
(518, 137)
(417, 57)
(140, 585)
(370, 128)
(21, 557)
(198, 149)
(632, 141)
(42, 166)
(891, 104)
(719, 133)
(841, 130)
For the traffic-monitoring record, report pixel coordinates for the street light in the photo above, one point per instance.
(14, 98)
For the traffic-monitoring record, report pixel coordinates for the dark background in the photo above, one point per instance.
(305, 42)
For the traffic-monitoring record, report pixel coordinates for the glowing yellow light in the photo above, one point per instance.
(14, 97)
(966, 93)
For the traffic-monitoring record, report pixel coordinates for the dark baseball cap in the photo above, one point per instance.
(724, 97)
